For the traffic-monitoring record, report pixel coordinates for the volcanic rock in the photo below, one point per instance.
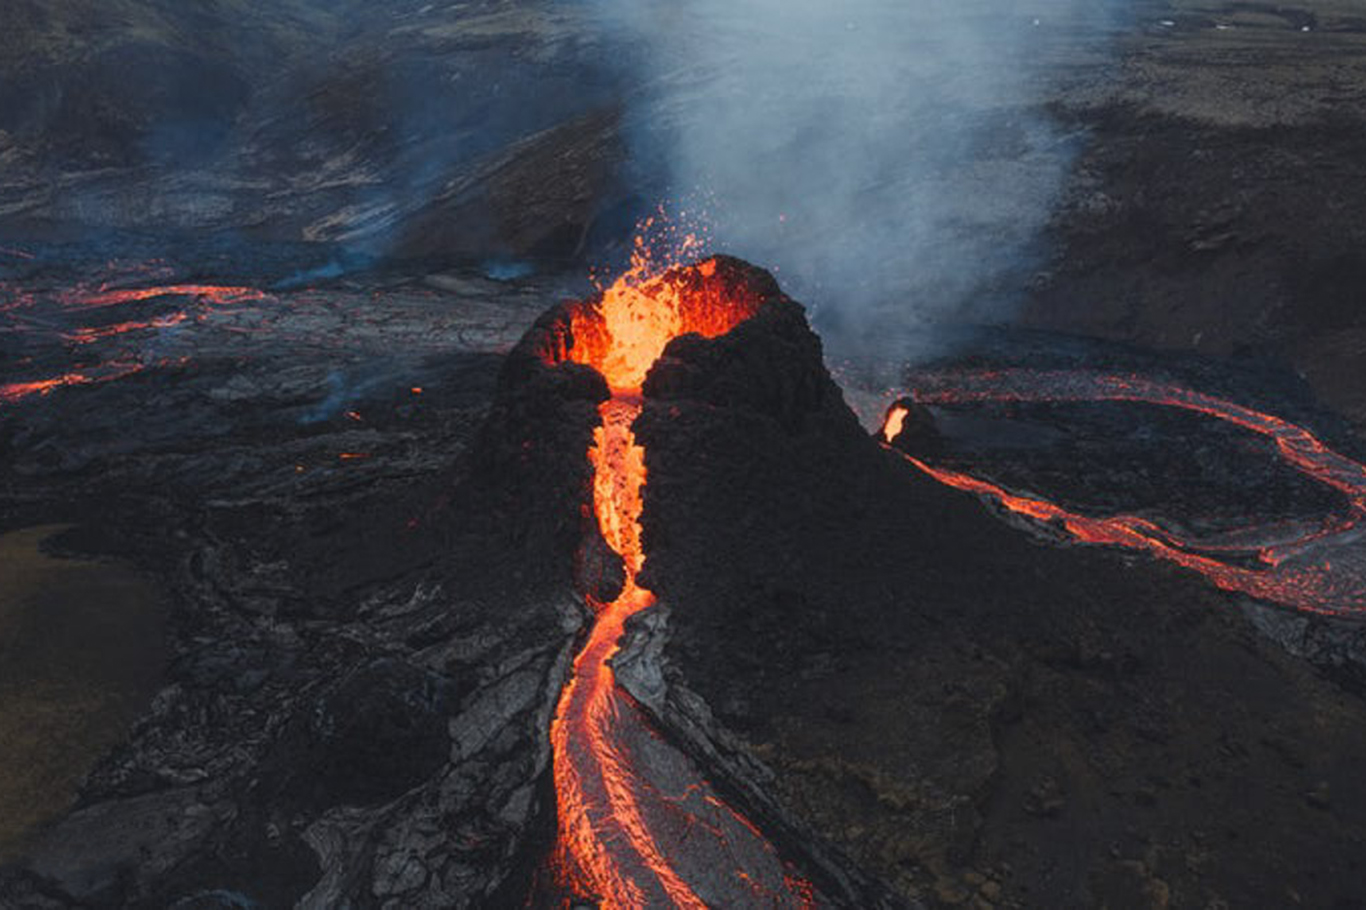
(364, 655)
(1202, 215)
(935, 692)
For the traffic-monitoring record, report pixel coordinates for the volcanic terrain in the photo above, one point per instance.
(359, 550)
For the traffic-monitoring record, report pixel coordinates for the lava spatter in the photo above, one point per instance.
(638, 825)
(1321, 569)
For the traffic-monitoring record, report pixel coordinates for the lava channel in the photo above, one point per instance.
(1318, 570)
(638, 824)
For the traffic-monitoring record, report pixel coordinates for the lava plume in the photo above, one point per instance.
(1322, 570)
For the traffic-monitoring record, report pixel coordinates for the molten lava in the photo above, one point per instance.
(894, 424)
(214, 293)
(92, 334)
(16, 391)
(1321, 570)
(29, 313)
(616, 828)
(625, 331)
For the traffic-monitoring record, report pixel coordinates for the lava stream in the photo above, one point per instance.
(639, 826)
(1289, 572)
(214, 293)
(12, 392)
(592, 775)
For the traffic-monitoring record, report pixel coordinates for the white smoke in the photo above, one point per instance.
(890, 159)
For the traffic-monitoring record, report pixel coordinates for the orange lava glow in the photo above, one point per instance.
(895, 422)
(622, 334)
(1322, 570)
(608, 845)
(16, 391)
(214, 293)
(98, 333)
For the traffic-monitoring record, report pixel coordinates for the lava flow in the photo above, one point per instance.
(1322, 570)
(43, 315)
(638, 826)
(214, 293)
(11, 392)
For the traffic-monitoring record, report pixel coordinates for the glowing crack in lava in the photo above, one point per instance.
(15, 391)
(30, 313)
(638, 825)
(1319, 570)
(214, 293)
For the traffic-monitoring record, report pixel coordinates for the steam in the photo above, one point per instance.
(891, 161)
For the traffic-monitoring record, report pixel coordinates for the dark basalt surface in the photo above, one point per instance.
(409, 128)
(902, 691)
(363, 654)
(972, 715)
(1210, 208)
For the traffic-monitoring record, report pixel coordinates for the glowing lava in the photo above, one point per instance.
(16, 391)
(1321, 570)
(92, 334)
(214, 293)
(625, 331)
(627, 801)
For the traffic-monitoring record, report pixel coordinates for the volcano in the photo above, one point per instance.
(663, 623)
(382, 526)
(639, 824)
(736, 559)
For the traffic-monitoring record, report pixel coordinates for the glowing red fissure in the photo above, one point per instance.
(92, 334)
(83, 298)
(1316, 588)
(16, 391)
(215, 293)
(607, 843)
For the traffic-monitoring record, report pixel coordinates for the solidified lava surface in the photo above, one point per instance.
(966, 711)
(363, 652)
(850, 676)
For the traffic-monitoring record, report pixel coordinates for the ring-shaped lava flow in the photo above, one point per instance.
(1318, 571)
(627, 801)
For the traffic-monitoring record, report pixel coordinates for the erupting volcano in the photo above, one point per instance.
(1318, 570)
(626, 800)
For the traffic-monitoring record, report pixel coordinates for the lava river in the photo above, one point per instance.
(1318, 569)
(638, 824)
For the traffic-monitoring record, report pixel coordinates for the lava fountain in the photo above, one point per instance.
(638, 824)
(1321, 570)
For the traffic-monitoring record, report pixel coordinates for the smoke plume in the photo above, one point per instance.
(891, 161)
